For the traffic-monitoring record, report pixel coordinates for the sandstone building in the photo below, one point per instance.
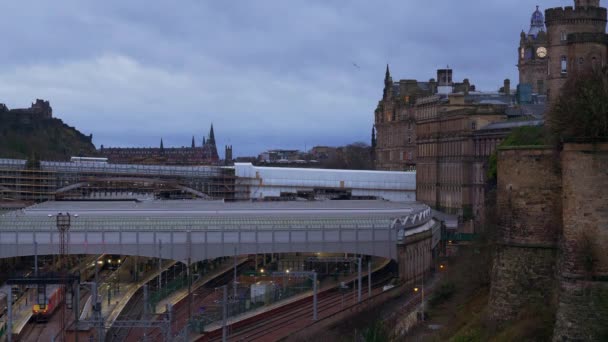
(576, 41)
(532, 51)
(206, 154)
(452, 158)
(394, 139)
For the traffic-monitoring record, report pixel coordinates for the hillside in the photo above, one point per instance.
(27, 136)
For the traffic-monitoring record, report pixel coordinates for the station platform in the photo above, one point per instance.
(180, 295)
(22, 308)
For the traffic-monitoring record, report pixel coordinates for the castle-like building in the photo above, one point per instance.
(206, 154)
(532, 61)
(40, 109)
(560, 44)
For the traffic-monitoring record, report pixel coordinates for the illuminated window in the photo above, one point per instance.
(564, 65)
(564, 36)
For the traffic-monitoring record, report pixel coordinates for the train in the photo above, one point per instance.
(103, 262)
(54, 296)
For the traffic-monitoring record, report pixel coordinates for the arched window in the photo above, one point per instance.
(564, 64)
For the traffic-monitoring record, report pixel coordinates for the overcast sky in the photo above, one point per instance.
(267, 73)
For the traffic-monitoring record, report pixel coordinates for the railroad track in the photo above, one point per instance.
(180, 310)
(267, 326)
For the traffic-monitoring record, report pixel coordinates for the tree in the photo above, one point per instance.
(581, 113)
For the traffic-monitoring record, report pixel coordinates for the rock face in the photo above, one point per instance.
(34, 133)
(553, 223)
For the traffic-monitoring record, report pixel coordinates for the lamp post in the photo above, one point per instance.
(421, 290)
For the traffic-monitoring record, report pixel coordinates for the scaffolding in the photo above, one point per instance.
(97, 180)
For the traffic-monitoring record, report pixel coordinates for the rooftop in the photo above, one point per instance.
(209, 215)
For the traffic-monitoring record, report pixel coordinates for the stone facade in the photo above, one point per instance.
(576, 41)
(553, 229)
(532, 51)
(395, 135)
(583, 276)
(445, 171)
(529, 208)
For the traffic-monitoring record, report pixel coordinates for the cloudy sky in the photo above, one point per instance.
(267, 73)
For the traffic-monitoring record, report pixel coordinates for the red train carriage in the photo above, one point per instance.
(54, 296)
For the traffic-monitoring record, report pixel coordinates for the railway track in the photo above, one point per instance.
(180, 310)
(279, 322)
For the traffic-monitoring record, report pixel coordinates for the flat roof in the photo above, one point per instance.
(177, 215)
(200, 208)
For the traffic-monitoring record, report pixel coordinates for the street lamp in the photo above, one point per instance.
(421, 290)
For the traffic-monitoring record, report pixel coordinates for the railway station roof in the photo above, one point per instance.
(214, 215)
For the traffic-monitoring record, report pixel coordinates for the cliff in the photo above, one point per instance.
(27, 134)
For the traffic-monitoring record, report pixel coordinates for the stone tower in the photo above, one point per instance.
(576, 41)
(532, 54)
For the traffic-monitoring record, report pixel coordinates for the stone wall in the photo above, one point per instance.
(583, 276)
(553, 231)
(529, 211)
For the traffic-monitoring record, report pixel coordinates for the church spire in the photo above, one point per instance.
(388, 83)
(162, 147)
(193, 145)
(211, 139)
(387, 76)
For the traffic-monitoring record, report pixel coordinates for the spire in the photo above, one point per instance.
(373, 137)
(211, 136)
(162, 147)
(387, 76)
(388, 83)
(193, 145)
(204, 141)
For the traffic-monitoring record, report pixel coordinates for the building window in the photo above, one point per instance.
(474, 125)
(564, 36)
(409, 140)
(581, 61)
(564, 65)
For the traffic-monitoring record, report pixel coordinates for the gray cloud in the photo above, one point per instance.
(267, 73)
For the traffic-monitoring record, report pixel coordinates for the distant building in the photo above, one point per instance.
(394, 138)
(206, 154)
(40, 109)
(280, 156)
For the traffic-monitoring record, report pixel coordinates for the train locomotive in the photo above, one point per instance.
(52, 299)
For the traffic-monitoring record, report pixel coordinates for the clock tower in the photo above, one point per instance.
(532, 54)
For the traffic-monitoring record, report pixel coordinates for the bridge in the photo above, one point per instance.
(199, 230)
